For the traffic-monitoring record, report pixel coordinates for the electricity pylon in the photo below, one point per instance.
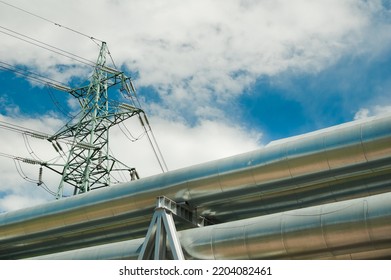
(89, 162)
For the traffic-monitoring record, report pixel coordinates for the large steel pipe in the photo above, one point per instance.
(350, 160)
(358, 228)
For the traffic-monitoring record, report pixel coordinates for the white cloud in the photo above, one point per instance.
(362, 114)
(213, 51)
(208, 140)
(197, 52)
(372, 111)
(198, 55)
(21, 200)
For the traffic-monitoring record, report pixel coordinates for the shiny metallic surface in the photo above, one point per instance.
(358, 228)
(321, 231)
(335, 164)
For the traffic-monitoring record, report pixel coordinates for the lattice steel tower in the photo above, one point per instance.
(89, 162)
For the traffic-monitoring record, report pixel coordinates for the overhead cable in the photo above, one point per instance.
(29, 148)
(112, 60)
(39, 135)
(46, 188)
(34, 76)
(58, 105)
(23, 130)
(21, 173)
(129, 135)
(53, 22)
(156, 144)
(46, 46)
(152, 139)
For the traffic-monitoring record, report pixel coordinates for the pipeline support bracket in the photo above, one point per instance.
(162, 234)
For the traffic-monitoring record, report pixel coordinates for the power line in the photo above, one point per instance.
(157, 151)
(121, 173)
(34, 76)
(112, 60)
(152, 139)
(58, 105)
(32, 133)
(39, 135)
(29, 148)
(21, 173)
(46, 188)
(46, 46)
(53, 49)
(53, 22)
(23, 130)
(129, 135)
(17, 160)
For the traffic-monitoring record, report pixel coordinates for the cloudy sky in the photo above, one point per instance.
(216, 78)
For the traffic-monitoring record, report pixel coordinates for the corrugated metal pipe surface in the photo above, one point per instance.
(358, 228)
(339, 163)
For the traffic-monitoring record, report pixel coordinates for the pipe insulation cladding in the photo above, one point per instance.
(335, 164)
(359, 227)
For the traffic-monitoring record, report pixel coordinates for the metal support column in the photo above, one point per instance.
(162, 239)
(161, 235)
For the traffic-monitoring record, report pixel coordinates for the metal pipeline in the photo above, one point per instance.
(358, 228)
(343, 162)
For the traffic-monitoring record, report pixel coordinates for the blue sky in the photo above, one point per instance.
(216, 78)
(292, 103)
